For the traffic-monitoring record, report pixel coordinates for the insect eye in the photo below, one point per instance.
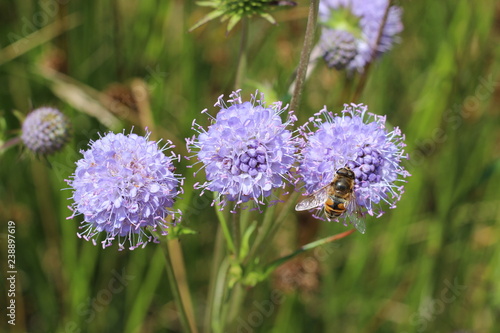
(340, 186)
(342, 172)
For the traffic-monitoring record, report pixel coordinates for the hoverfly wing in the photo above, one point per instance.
(358, 223)
(355, 216)
(314, 200)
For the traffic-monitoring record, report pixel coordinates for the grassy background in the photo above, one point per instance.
(431, 265)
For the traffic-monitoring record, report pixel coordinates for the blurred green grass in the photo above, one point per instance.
(395, 278)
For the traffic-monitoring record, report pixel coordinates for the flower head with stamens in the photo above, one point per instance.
(122, 185)
(353, 35)
(247, 151)
(360, 140)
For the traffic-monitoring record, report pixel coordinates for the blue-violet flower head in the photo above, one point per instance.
(247, 151)
(373, 24)
(338, 48)
(45, 131)
(122, 185)
(359, 140)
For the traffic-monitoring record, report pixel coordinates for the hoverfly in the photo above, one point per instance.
(336, 198)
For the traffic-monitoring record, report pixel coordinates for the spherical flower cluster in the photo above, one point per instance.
(123, 184)
(338, 48)
(370, 28)
(247, 150)
(359, 140)
(45, 131)
(234, 10)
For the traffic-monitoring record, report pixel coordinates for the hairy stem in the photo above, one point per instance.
(305, 55)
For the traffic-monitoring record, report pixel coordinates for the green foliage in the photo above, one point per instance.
(430, 265)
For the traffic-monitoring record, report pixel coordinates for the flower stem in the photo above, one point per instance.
(270, 225)
(236, 233)
(223, 224)
(273, 265)
(364, 77)
(218, 311)
(237, 297)
(242, 55)
(216, 262)
(179, 267)
(263, 232)
(175, 290)
(305, 54)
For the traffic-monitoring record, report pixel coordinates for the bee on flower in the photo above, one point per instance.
(351, 164)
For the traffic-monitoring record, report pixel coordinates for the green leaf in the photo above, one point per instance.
(245, 241)
(19, 115)
(252, 278)
(233, 20)
(180, 230)
(234, 274)
(210, 16)
(268, 17)
(213, 4)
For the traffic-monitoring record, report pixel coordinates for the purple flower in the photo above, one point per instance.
(338, 48)
(359, 140)
(362, 20)
(246, 151)
(123, 184)
(45, 131)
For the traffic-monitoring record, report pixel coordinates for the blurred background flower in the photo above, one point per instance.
(45, 131)
(354, 32)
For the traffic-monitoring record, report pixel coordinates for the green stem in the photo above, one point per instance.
(175, 289)
(290, 202)
(347, 87)
(364, 77)
(244, 218)
(236, 234)
(262, 234)
(223, 224)
(273, 265)
(305, 55)
(218, 310)
(117, 30)
(273, 225)
(216, 261)
(176, 259)
(242, 55)
(235, 302)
